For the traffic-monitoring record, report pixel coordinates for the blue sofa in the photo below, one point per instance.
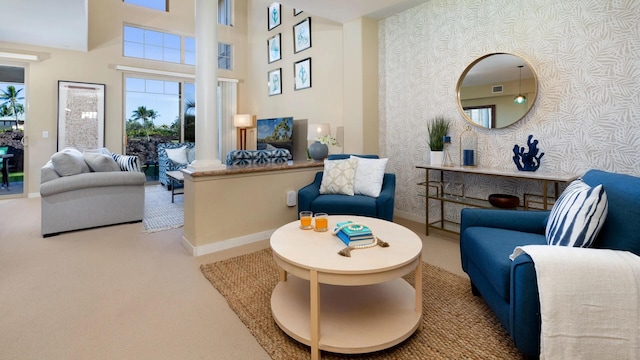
(488, 237)
(309, 198)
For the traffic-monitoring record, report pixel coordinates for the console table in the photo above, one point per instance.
(545, 178)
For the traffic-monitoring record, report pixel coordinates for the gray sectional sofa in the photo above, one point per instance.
(80, 191)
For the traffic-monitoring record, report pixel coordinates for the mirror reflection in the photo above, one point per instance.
(497, 90)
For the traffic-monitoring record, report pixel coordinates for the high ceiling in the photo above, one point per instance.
(59, 24)
(63, 24)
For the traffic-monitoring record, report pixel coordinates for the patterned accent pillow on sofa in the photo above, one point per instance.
(338, 177)
(127, 162)
(577, 216)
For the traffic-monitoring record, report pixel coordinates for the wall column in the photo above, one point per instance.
(206, 15)
(361, 86)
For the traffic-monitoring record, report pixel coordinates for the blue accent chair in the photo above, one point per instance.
(488, 237)
(165, 164)
(309, 197)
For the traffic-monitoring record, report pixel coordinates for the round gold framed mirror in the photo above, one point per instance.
(497, 90)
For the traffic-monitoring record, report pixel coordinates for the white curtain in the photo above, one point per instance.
(227, 107)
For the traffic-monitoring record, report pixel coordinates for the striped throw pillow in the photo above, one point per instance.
(577, 216)
(127, 162)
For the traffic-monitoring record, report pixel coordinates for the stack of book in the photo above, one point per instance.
(354, 235)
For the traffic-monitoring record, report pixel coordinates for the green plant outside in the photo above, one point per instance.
(437, 129)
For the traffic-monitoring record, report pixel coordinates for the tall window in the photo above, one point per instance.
(152, 108)
(151, 44)
(151, 4)
(189, 50)
(224, 56)
(224, 12)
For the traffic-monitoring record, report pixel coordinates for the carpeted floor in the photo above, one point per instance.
(456, 325)
(159, 213)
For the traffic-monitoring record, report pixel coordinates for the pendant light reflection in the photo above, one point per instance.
(520, 99)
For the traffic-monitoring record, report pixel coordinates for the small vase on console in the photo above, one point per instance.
(435, 157)
(318, 150)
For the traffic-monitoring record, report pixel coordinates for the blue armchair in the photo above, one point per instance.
(165, 164)
(488, 237)
(309, 198)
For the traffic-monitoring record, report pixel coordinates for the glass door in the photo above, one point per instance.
(12, 127)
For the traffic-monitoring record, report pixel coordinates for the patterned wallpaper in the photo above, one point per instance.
(586, 54)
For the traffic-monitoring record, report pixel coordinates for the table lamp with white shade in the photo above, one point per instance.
(242, 121)
(317, 150)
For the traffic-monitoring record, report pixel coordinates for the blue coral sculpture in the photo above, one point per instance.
(527, 161)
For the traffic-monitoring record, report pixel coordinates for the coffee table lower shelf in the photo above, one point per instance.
(354, 319)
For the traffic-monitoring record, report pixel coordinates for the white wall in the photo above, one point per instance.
(587, 57)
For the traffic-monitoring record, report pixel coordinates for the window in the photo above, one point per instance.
(225, 51)
(224, 56)
(189, 50)
(151, 4)
(224, 12)
(151, 44)
(484, 115)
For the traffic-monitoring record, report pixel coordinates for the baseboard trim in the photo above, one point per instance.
(409, 216)
(225, 244)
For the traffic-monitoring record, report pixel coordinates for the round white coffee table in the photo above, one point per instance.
(347, 305)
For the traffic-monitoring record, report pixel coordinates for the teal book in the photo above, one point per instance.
(355, 242)
(355, 231)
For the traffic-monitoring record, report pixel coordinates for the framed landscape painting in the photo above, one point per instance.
(273, 15)
(80, 115)
(302, 74)
(276, 133)
(302, 35)
(273, 45)
(275, 82)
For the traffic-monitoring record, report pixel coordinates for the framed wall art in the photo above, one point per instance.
(275, 82)
(302, 35)
(273, 47)
(302, 74)
(80, 115)
(296, 12)
(273, 15)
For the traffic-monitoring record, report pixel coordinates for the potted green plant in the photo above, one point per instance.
(437, 129)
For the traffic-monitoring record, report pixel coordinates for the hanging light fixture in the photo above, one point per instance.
(520, 99)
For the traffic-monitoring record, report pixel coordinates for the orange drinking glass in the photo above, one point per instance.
(305, 220)
(321, 221)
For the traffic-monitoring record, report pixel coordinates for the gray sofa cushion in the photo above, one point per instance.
(92, 180)
(68, 162)
(100, 162)
(48, 173)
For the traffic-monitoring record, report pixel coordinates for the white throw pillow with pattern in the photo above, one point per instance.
(338, 177)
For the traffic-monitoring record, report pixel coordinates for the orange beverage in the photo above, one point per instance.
(321, 222)
(305, 220)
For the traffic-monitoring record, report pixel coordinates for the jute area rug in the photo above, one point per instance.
(159, 212)
(456, 325)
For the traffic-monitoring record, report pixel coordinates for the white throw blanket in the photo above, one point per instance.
(589, 302)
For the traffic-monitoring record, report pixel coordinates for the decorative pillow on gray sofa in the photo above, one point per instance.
(127, 162)
(100, 162)
(69, 161)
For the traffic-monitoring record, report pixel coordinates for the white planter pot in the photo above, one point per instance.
(436, 157)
